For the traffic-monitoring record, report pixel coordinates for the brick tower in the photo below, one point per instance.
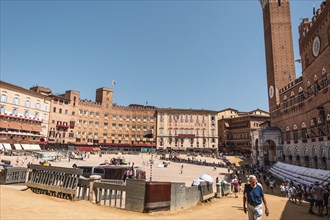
(278, 47)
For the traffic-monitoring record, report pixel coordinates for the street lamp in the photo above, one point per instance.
(151, 163)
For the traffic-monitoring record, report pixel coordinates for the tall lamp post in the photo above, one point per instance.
(151, 163)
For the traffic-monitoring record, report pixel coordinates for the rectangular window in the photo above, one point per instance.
(54, 109)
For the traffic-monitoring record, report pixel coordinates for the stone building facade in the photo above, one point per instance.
(187, 130)
(301, 113)
(24, 116)
(235, 129)
(77, 121)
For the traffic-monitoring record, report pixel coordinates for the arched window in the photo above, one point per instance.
(37, 105)
(16, 100)
(27, 103)
(15, 111)
(3, 98)
(2, 109)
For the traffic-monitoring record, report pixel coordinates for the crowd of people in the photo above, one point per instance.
(317, 195)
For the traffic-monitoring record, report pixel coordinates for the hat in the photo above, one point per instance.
(317, 183)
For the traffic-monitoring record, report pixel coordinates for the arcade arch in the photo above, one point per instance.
(269, 152)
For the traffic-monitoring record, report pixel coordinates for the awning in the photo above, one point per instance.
(120, 145)
(18, 147)
(70, 147)
(36, 128)
(25, 146)
(35, 147)
(14, 126)
(7, 146)
(85, 148)
(145, 145)
(4, 125)
(26, 127)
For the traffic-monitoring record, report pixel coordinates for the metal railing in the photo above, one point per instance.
(11, 175)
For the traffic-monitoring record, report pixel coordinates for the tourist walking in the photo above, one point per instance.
(318, 197)
(310, 198)
(326, 200)
(235, 185)
(253, 198)
(282, 188)
(271, 185)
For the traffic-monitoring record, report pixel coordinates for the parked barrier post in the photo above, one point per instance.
(93, 192)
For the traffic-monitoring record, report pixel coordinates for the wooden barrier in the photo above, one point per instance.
(129, 196)
(11, 175)
(206, 190)
(83, 189)
(158, 196)
(56, 181)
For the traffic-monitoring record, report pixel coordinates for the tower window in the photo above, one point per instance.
(279, 3)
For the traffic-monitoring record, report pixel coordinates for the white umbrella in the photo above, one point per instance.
(207, 178)
(197, 182)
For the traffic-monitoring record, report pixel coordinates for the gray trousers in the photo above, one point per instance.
(254, 212)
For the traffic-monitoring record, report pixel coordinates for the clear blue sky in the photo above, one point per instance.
(179, 54)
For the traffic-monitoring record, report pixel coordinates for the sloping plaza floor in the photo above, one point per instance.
(17, 204)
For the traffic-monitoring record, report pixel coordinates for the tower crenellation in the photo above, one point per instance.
(306, 25)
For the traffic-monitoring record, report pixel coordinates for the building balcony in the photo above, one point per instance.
(14, 116)
(63, 126)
